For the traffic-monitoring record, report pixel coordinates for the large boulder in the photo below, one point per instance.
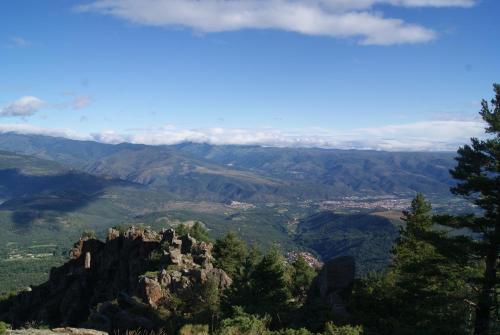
(335, 283)
(218, 276)
(150, 290)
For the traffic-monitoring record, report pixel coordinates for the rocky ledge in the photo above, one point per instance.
(122, 283)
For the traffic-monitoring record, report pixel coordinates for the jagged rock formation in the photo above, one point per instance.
(123, 283)
(334, 284)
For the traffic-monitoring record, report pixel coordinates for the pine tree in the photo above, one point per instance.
(478, 176)
(230, 253)
(302, 277)
(424, 289)
(199, 232)
(428, 285)
(270, 287)
(210, 300)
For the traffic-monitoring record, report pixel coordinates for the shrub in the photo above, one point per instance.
(3, 327)
(90, 234)
(122, 229)
(244, 324)
(332, 329)
(301, 331)
(194, 330)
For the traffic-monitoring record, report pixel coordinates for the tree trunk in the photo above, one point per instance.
(486, 297)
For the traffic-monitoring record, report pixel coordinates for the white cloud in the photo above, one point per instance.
(428, 3)
(18, 42)
(419, 136)
(29, 105)
(29, 129)
(333, 18)
(81, 101)
(23, 107)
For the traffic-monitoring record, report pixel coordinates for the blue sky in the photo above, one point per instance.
(368, 74)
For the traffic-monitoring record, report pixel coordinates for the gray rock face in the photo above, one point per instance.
(168, 236)
(150, 291)
(175, 255)
(112, 234)
(188, 243)
(219, 276)
(335, 282)
(103, 283)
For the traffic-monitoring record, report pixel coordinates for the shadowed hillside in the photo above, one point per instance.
(368, 238)
(223, 173)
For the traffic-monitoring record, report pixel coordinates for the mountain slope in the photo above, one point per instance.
(166, 169)
(337, 171)
(366, 237)
(67, 152)
(251, 173)
(44, 205)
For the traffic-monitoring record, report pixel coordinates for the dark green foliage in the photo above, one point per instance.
(230, 253)
(182, 229)
(208, 309)
(367, 237)
(196, 230)
(27, 272)
(242, 323)
(242, 290)
(429, 285)
(302, 275)
(332, 329)
(270, 287)
(3, 327)
(267, 286)
(194, 330)
(424, 290)
(210, 296)
(291, 331)
(199, 232)
(478, 176)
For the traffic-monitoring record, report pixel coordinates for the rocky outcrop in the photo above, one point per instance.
(104, 284)
(334, 284)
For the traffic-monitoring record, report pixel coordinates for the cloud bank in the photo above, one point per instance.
(23, 107)
(360, 19)
(27, 106)
(421, 136)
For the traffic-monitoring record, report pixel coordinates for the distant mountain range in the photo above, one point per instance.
(52, 189)
(246, 173)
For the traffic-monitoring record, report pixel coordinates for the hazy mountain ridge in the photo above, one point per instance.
(223, 173)
(191, 178)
